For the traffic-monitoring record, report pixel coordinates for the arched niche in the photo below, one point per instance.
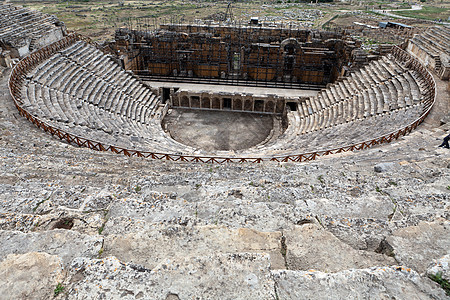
(237, 104)
(195, 101)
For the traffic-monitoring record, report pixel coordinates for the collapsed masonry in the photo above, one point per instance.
(23, 30)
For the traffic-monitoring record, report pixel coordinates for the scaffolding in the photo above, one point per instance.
(231, 53)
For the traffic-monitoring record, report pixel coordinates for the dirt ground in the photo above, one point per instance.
(218, 130)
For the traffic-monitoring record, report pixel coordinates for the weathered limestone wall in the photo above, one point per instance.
(5, 59)
(432, 48)
(427, 59)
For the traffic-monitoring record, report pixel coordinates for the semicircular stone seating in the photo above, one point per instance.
(23, 30)
(382, 97)
(85, 93)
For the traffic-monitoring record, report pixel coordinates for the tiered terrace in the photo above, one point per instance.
(74, 91)
(433, 48)
(23, 30)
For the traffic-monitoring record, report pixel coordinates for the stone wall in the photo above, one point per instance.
(432, 48)
(234, 53)
(271, 104)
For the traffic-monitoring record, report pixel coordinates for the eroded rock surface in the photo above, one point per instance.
(132, 228)
(30, 276)
(417, 246)
(312, 247)
(440, 267)
(66, 244)
(233, 276)
(394, 282)
(153, 246)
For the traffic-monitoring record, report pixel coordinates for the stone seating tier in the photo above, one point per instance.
(25, 30)
(82, 91)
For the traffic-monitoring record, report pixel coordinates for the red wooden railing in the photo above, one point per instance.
(20, 70)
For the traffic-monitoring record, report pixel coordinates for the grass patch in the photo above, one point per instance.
(441, 281)
(320, 178)
(373, 13)
(105, 219)
(40, 202)
(100, 252)
(283, 250)
(59, 289)
(426, 13)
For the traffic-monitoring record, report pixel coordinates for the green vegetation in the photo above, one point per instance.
(441, 281)
(96, 18)
(40, 202)
(320, 178)
(99, 19)
(100, 252)
(374, 13)
(59, 289)
(105, 219)
(426, 13)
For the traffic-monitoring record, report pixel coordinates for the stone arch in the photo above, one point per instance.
(248, 106)
(259, 105)
(237, 104)
(290, 41)
(195, 101)
(175, 100)
(290, 48)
